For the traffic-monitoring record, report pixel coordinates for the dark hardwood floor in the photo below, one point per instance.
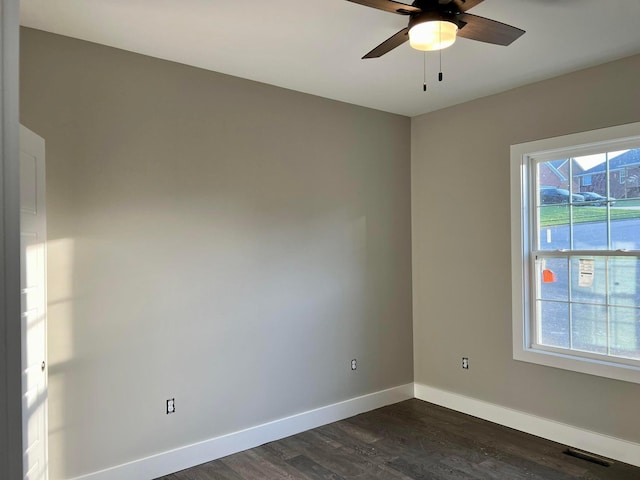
(408, 440)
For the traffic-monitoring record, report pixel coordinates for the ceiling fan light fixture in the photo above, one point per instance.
(432, 35)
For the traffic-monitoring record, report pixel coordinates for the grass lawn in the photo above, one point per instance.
(635, 202)
(551, 215)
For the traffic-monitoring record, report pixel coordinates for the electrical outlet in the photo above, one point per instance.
(354, 364)
(171, 406)
(465, 363)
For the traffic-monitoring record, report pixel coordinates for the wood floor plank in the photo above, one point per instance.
(408, 441)
(312, 470)
(206, 471)
(282, 449)
(252, 465)
(209, 471)
(354, 431)
(338, 460)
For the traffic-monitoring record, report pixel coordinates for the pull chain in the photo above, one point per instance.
(440, 73)
(424, 71)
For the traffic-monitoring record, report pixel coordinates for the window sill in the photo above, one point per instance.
(601, 368)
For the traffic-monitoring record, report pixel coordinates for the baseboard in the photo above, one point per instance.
(614, 448)
(188, 456)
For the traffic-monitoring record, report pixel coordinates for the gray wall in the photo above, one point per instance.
(461, 246)
(223, 242)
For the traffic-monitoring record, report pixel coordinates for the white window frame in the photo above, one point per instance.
(522, 202)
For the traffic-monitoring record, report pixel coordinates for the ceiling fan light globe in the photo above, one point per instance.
(432, 35)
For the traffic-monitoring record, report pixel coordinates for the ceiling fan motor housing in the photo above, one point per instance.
(435, 16)
(432, 30)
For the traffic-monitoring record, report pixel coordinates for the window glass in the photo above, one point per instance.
(553, 227)
(624, 332)
(553, 279)
(554, 331)
(588, 280)
(589, 328)
(590, 228)
(624, 281)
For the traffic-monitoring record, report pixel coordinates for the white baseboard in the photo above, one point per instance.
(188, 456)
(613, 448)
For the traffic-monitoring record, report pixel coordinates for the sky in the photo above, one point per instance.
(590, 161)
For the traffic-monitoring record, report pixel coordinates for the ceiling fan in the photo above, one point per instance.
(434, 25)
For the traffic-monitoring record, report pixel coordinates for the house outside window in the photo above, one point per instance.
(576, 254)
(624, 172)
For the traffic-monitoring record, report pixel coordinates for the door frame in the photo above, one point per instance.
(10, 336)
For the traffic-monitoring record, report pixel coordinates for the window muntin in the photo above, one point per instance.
(577, 290)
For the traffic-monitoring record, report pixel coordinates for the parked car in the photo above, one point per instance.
(549, 195)
(596, 199)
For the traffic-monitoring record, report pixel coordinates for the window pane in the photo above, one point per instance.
(590, 227)
(624, 190)
(553, 181)
(624, 281)
(589, 328)
(554, 325)
(553, 232)
(624, 174)
(625, 224)
(590, 175)
(553, 278)
(588, 280)
(624, 331)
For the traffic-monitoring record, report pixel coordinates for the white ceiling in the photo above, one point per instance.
(316, 46)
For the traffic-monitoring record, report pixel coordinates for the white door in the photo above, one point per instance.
(34, 304)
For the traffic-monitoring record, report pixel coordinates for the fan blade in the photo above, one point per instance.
(389, 6)
(464, 5)
(389, 44)
(486, 30)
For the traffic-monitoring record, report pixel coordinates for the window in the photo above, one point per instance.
(586, 181)
(576, 254)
